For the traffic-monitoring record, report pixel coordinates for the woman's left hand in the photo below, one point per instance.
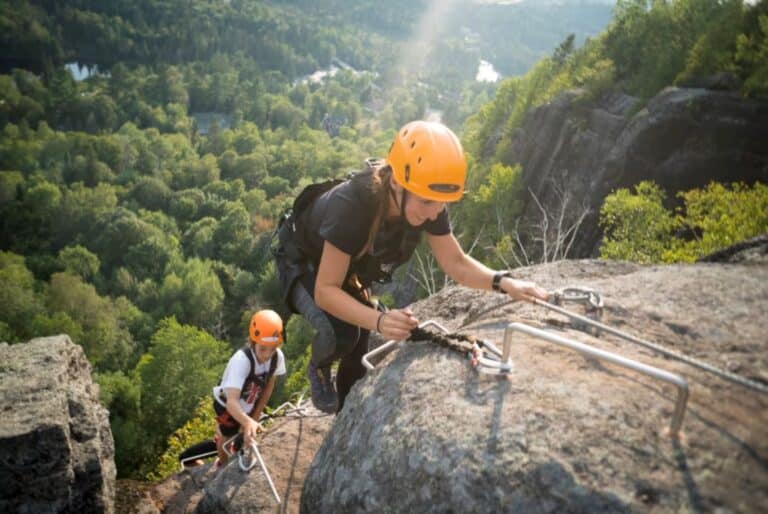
(523, 290)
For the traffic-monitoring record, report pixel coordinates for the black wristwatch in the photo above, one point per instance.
(496, 284)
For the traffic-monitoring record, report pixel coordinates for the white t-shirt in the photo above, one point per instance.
(237, 371)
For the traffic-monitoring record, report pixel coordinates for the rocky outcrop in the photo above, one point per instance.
(424, 432)
(56, 447)
(681, 139)
(753, 250)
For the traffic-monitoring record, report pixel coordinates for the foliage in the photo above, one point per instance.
(752, 57)
(107, 343)
(19, 303)
(639, 228)
(200, 427)
(719, 216)
(77, 260)
(182, 365)
(121, 395)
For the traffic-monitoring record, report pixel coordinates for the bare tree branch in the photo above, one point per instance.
(554, 231)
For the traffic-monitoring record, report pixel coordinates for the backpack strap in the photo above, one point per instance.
(252, 374)
(252, 371)
(272, 366)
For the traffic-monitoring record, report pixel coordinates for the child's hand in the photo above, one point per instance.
(250, 431)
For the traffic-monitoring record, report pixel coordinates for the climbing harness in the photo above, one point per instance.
(487, 358)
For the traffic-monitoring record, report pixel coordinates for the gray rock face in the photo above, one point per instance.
(425, 432)
(682, 139)
(56, 447)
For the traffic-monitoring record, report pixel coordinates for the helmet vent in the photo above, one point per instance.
(407, 172)
(418, 161)
(444, 188)
(413, 143)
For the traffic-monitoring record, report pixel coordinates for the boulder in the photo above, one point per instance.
(425, 432)
(56, 447)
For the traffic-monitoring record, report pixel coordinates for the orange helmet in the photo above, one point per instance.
(426, 159)
(266, 328)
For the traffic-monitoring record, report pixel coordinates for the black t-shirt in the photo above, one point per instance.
(343, 216)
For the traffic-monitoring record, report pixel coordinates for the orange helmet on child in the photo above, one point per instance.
(266, 328)
(427, 160)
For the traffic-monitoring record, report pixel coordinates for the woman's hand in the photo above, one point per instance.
(523, 290)
(250, 430)
(397, 324)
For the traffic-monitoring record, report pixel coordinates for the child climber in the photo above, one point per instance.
(248, 381)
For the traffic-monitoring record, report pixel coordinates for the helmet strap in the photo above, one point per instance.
(401, 203)
(403, 199)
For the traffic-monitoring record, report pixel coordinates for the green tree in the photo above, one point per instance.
(198, 238)
(182, 365)
(192, 293)
(107, 344)
(19, 303)
(199, 428)
(151, 193)
(77, 260)
(639, 228)
(752, 56)
(636, 225)
(233, 237)
(121, 395)
(719, 216)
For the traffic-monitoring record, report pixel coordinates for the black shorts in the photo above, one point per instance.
(228, 426)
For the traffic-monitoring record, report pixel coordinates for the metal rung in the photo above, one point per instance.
(676, 380)
(246, 465)
(727, 375)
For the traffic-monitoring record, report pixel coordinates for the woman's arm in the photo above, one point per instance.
(470, 272)
(334, 264)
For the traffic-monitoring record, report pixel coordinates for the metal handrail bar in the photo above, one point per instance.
(392, 342)
(676, 380)
(660, 349)
(246, 465)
